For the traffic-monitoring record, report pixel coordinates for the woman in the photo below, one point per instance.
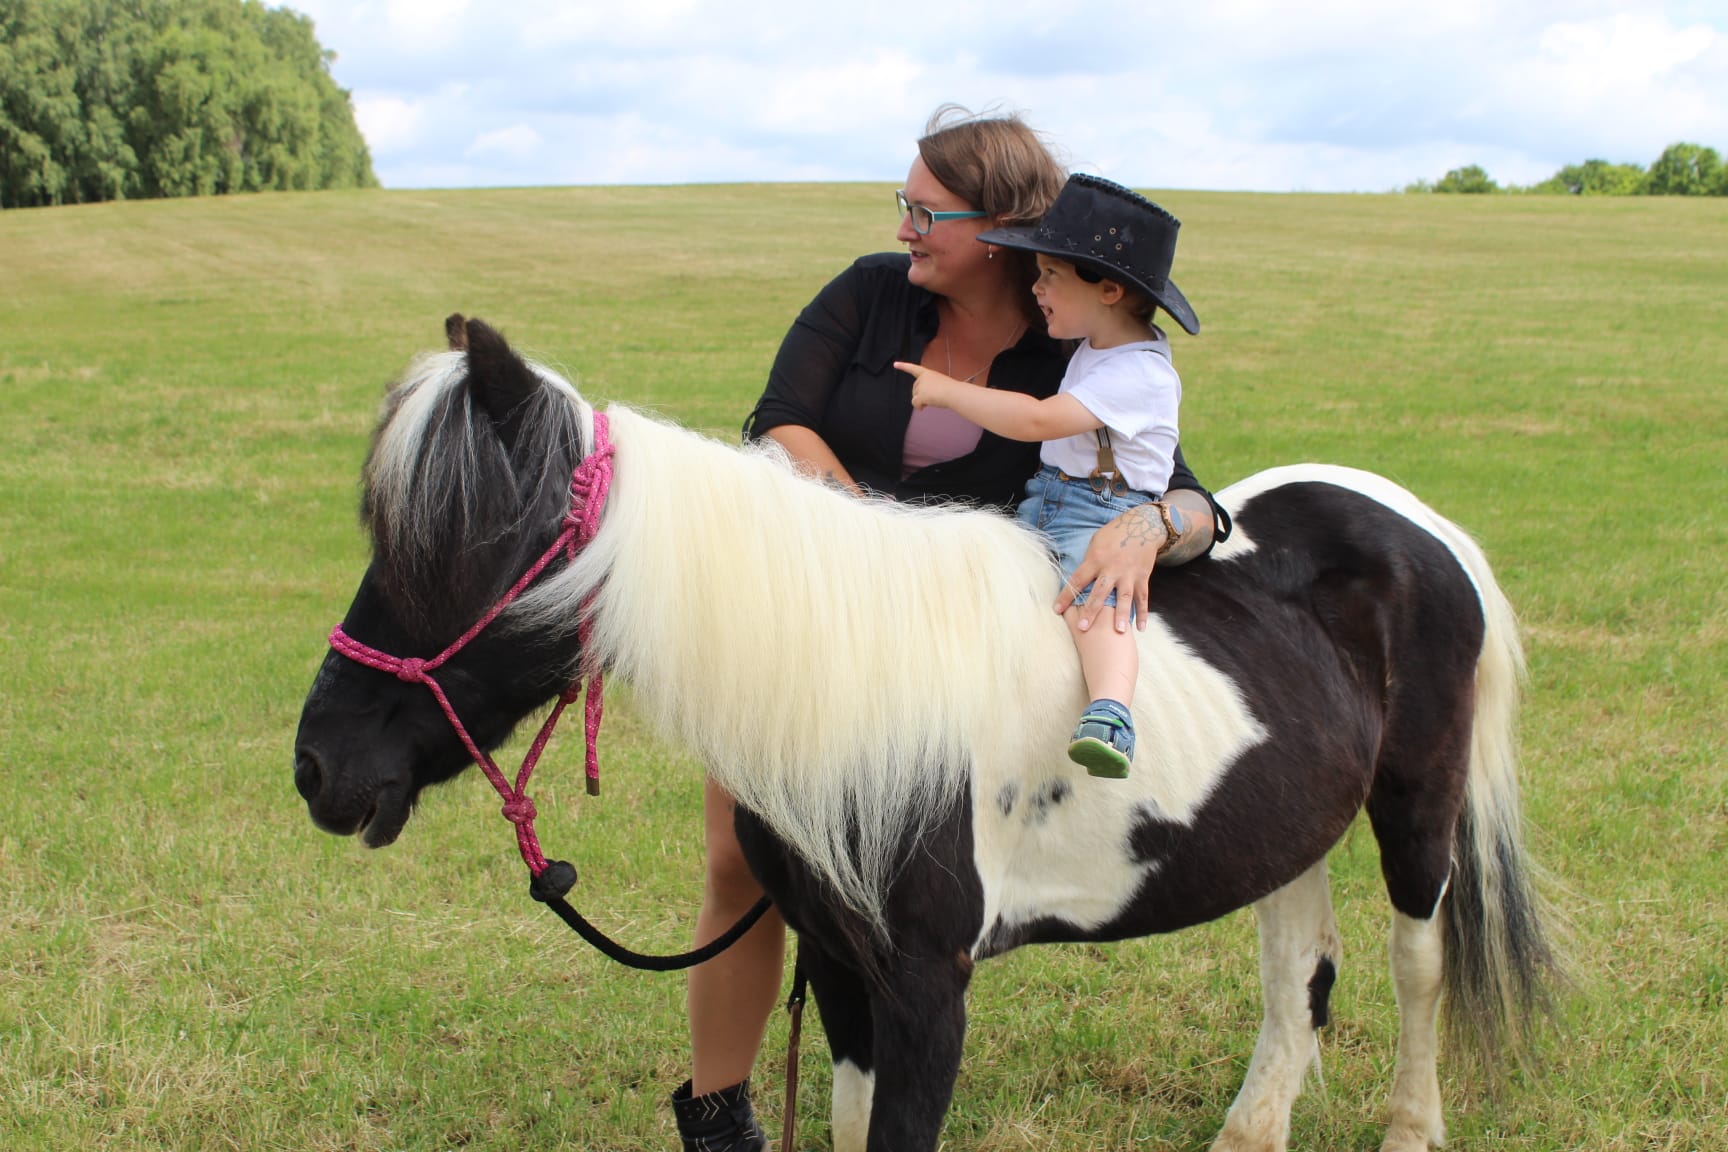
(843, 412)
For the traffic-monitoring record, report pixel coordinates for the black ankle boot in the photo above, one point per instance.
(719, 1121)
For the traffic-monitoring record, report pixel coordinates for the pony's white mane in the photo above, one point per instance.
(835, 662)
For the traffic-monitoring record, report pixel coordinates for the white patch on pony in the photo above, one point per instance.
(393, 466)
(1415, 1121)
(853, 1092)
(1052, 841)
(1297, 932)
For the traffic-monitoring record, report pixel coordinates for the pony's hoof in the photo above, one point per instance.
(1413, 1138)
(1239, 1142)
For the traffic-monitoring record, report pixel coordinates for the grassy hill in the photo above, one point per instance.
(185, 391)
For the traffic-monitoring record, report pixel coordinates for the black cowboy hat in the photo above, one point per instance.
(1113, 231)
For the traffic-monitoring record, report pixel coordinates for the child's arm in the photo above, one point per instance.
(1011, 414)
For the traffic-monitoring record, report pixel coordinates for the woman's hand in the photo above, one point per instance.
(1123, 553)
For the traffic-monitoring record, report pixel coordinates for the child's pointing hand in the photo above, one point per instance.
(929, 387)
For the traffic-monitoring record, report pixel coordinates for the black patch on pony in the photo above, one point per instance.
(1320, 992)
(936, 888)
(1039, 804)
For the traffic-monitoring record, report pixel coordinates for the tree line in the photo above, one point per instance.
(127, 99)
(1681, 170)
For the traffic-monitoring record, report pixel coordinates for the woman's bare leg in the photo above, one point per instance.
(731, 996)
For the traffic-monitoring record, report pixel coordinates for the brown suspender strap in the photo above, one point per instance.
(1105, 478)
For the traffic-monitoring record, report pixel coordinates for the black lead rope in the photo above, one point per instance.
(795, 1010)
(560, 876)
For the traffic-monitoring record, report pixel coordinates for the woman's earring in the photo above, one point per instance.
(992, 255)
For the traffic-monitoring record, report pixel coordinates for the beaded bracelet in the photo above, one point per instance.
(1171, 533)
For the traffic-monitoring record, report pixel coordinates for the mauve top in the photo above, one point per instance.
(835, 375)
(934, 435)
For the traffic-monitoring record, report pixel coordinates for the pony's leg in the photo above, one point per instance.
(919, 1030)
(1415, 1123)
(1299, 954)
(1418, 790)
(844, 1002)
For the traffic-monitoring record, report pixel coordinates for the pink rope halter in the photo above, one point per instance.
(589, 484)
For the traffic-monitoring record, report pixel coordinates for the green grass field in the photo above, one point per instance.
(185, 393)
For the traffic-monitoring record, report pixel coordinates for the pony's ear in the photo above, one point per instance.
(456, 331)
(498, 379)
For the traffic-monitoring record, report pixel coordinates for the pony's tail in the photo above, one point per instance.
(1500, 969)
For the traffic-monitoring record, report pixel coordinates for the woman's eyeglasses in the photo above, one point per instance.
(922, 218)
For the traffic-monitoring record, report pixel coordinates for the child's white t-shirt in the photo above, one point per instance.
(1134, 391)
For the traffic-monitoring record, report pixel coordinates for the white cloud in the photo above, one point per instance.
(1327, 95)
(1641, 45)
(813, 99)
(424, 27)
(390, 124)
(1622, 86)
(517, 142)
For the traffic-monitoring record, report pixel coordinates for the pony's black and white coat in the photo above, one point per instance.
(888, 695)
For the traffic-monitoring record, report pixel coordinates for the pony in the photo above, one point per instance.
(888, 695)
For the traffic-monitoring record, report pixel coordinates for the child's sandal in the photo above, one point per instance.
(1103, 741)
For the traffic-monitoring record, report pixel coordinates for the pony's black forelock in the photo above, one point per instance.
(457, 501)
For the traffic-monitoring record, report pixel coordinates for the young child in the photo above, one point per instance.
(1104, 255)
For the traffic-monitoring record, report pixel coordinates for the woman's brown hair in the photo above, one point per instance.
(994, 162)
(997, 164)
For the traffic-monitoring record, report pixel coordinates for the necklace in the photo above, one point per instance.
(948, 353)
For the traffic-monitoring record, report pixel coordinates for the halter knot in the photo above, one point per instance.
(411, 670)
(519, 810)
(589, 484)
(572, 529)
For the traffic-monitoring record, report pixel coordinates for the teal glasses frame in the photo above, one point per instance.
(922, 218)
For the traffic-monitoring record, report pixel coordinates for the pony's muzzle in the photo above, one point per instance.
(308, 774)
(324, 802)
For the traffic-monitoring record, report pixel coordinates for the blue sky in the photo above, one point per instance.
(1328, 95)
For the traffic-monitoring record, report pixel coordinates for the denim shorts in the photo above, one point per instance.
(1067, 511)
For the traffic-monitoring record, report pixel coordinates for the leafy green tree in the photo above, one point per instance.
(48, 146)
(1470, 179)
(1594, 178)
(1685, 170)
(109, 99)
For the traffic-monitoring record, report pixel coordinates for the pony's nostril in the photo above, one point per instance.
(308, 775)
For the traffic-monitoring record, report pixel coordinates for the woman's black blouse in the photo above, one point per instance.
(835, 374)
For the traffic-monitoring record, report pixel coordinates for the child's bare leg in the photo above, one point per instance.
(1110, 660)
